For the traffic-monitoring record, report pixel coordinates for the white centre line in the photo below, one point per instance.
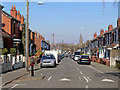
(86, 86)
(89, 79)
(96, 69)
(13, 86)
(79, 78)
(86, 79)
(81, 73)
(49, 78)
(77, 68)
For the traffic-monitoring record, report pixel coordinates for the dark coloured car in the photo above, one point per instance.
(84, 59)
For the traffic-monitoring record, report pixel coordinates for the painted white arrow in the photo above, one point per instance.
(65, 79)
(107, 80)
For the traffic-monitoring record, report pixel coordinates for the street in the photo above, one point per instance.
(69, 74)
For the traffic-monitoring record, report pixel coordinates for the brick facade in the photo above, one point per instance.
(13, 28)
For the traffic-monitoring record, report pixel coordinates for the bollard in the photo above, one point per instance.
(32, 69)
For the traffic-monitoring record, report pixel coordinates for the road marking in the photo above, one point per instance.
(86, 86)
(77, 68)
(81, 73)
(64, 79)
(49, 78)
(79, 78)
(96, 69)
(86, 79)
(13, 86)
(107, 80)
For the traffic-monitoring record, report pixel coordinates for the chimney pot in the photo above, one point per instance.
(118, 22)
(12, 7)
(95, 35)
(110, 27)
(101, 32)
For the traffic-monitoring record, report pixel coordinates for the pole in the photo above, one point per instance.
(90, 48)
(27, 35)
(53, 38)
(32, 69)
(53, 42)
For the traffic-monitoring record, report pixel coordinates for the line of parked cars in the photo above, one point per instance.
(81, 59)
(50, 59)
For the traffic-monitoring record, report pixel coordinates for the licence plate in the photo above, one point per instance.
(85, 59)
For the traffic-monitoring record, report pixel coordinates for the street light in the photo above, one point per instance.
(27, 34)
(41, 3)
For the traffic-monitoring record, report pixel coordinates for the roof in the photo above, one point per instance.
(112, 30)
(112, 45)
(106, 32)
(9, 16)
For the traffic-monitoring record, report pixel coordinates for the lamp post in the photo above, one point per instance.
(27, 34)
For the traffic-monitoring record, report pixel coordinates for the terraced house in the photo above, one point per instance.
(13, 28)
(105, 47)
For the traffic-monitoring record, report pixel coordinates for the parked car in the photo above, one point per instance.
(77, 57)
(72, 56)
(55, 53)
(59, 58)
(84, 59)
(48, 60)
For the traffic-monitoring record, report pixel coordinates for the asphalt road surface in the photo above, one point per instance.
(69, 74)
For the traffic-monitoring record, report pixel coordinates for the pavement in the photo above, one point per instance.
(10, 76)
(69, 74)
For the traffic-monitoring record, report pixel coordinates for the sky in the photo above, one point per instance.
(67, 20)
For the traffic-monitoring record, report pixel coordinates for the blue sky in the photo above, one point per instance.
(67, 20)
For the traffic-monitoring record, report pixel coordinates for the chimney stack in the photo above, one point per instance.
(118, 22)
(22, 20)
(101, 32)
(18, 16)
(14, 12)
(106, 31)
(110, 27)
(95, 35)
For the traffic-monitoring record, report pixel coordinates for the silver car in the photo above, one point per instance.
(48, 60)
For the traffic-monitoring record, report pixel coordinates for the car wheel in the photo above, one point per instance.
(41, 66)
(54, 64)
(89, 63)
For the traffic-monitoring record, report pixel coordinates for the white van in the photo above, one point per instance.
(55, 53)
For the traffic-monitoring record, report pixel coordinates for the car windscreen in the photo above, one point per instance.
(87, 57)
(48, 57)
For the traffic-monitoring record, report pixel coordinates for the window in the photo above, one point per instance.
(117, 36)
(48, 57)
(14, 28)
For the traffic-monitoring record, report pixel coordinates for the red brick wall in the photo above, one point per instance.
(9, 28)
(7, 23)
(38, 43)
(8, 43)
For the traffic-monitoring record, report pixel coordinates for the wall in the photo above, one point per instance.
(114, 55)
(7, 23)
